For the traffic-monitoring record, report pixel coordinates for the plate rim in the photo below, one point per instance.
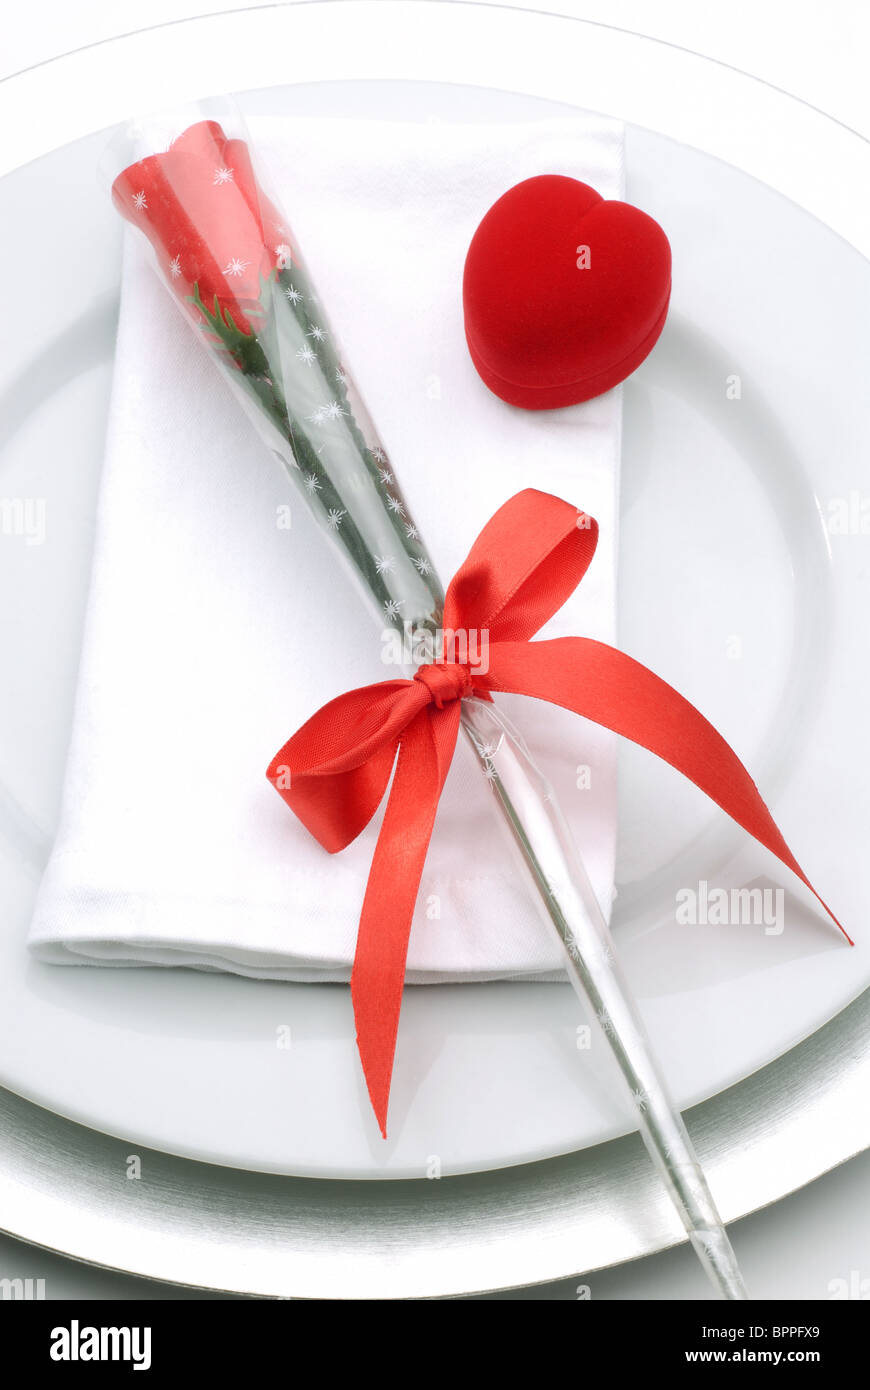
(821, 164)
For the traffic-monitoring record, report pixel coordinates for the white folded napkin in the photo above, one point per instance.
(212, 633)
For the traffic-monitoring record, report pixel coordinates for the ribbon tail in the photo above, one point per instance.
(378, 976)
(603, 684)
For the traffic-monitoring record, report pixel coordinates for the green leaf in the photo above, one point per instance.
(244, 348)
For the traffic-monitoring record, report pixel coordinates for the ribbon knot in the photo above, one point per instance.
(523, 566)
(445, 681)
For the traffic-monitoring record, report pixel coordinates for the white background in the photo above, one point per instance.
(816, 51)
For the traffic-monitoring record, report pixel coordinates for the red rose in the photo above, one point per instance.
(209, 222)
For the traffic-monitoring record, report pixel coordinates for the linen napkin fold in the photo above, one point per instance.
(213, 632)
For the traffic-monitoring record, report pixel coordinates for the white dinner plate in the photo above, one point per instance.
(744, 450)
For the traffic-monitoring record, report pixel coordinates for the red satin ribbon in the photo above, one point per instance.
(523, 566)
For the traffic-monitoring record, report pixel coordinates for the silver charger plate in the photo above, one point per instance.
(69, 1189)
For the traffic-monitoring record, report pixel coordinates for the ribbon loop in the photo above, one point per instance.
(334, 771)
(524, 565)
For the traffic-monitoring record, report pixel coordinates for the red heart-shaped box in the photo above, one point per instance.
(564, 292)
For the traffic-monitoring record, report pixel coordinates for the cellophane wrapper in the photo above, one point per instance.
(226, 252)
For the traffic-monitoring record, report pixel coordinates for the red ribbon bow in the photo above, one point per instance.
(523, 566)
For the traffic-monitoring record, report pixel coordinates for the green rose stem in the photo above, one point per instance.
(352, 475)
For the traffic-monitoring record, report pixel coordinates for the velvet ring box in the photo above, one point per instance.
(564, 292)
